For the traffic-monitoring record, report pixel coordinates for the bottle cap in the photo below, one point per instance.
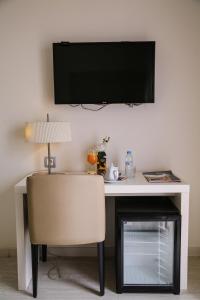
(129, 152)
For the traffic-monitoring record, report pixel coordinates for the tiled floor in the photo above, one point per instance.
(79, 280)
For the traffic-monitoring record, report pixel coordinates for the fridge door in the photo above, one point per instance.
(148, 252)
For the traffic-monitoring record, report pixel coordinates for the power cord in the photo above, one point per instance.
(91, 109)
(88, 108)
(55, 267)
(74, 105)
(131, 105)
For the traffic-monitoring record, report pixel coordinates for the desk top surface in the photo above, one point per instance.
(136, 185)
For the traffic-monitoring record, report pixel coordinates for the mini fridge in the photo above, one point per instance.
(148, 232)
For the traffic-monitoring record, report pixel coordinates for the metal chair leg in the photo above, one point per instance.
(44, 253)
(101, 261)
(34, 251)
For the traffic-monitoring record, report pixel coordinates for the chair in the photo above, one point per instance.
(66, 210)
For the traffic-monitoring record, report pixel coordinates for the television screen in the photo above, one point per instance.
(110, 72)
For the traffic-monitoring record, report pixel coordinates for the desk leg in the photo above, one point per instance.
(184, 239)
(182, 202)
(24, 268)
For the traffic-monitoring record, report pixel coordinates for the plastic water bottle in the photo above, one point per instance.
(129, 165)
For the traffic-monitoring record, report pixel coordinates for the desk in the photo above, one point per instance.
(135, 186)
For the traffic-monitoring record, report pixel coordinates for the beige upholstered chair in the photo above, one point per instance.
(66, 210)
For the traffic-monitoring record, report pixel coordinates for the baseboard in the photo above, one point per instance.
(91, 251)
(81, 251)
(194, 251)
(12, 252)
(71, 251)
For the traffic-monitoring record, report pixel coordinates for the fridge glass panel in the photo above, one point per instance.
(148, 252)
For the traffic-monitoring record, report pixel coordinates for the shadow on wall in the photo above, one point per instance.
(7, 216)
(3, 2)
(47, 74)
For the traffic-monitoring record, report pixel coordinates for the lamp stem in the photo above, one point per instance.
(49, 152)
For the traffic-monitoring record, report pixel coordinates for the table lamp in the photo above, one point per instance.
(47, 133)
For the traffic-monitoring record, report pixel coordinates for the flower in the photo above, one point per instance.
(106, 139)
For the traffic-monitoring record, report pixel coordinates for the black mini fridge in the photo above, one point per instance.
(148, 235)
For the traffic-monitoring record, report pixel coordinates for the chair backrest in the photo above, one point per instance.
(66, 209)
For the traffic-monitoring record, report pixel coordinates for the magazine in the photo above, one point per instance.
(161, 177)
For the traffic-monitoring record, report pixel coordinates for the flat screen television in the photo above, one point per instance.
(104, 72)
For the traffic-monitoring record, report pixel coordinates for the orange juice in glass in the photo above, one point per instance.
(92, 162)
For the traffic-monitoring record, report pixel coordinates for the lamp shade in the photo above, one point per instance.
(48, 132)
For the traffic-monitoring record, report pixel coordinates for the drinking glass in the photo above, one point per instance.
(92, 161)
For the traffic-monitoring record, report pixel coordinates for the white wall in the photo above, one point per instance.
(164, 135)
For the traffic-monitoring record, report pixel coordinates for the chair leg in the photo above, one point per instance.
(44, 253)
(34, 251)
(101, 260)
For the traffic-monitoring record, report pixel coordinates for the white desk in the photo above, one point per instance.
(135, 186)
